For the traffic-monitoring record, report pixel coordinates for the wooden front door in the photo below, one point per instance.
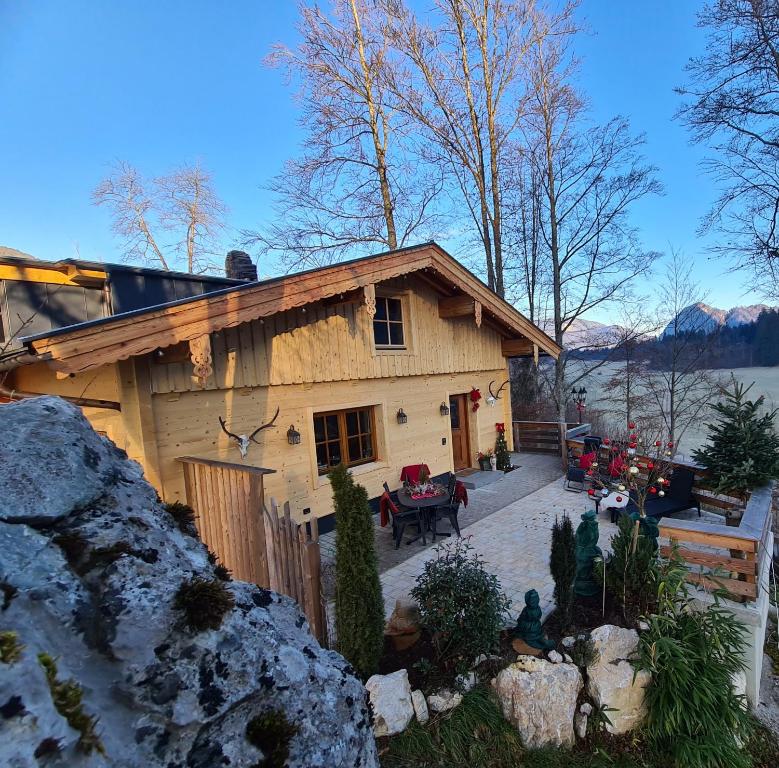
(458, 413)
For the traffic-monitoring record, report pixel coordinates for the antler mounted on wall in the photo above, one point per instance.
(495, 396)
(243, 440)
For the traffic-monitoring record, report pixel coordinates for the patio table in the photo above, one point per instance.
(423, 505)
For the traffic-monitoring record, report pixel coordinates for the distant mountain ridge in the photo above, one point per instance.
(702, 318)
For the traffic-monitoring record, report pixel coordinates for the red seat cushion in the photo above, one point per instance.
(386, 505)
(586, 460)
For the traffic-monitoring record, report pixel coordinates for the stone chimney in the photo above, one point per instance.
(239, 266)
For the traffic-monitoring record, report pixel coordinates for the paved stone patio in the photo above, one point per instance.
(514, 542)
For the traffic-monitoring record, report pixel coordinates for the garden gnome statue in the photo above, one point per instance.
(586, 551)
(529, 623)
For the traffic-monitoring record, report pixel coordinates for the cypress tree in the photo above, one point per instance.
(359, 606)
(562, 564)
(743, 450)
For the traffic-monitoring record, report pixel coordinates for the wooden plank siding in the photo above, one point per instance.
(335, 343)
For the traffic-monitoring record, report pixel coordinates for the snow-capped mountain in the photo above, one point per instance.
(701, 318)
(588, 334)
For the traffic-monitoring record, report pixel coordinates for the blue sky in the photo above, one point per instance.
(83, 84)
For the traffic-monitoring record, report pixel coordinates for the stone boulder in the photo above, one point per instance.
(613, 682)
(539, 699)
(420, 706)
(444, 700)
(90, 564)
(390, 698)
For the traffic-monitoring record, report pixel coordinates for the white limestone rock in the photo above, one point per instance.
(390, 698)
(555, 657)
(420, 706)
(586, 708)
(444, 700)
(164, 694)
(539, 699)
(612, 685)
(580, 724)
(614, 643)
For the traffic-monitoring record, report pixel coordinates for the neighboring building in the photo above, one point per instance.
(335, 352)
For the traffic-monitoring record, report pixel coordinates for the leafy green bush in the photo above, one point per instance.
(631, 570)
(562, 564)
(693, 653)
(502, 455)
(460, 604)
(359, 606)
(743, 449)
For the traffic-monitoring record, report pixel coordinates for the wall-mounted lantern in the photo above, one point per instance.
(444, 409)
(293, 436)
(402, 418)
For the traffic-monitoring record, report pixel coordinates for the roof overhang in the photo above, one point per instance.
(90, 345)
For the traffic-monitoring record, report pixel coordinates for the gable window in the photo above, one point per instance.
(388, 328)
(344, 436)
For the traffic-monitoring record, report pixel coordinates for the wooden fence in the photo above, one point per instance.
(730, 557)
(538, 436)
(258, 545)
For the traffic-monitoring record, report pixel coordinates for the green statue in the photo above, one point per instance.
(529, 623)
(647, 526)
(586, 551)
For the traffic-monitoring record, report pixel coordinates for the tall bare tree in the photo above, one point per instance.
(356, 182)
(590, 176)
(675, 381)
(462, 85)
(732, 103)
(172, 221)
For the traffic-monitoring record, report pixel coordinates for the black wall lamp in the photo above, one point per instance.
(444, 409)
(293, 436)
(402, 418)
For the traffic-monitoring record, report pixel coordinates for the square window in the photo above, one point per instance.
(388, 323)
(344, 436)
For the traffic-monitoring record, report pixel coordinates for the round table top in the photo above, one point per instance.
(404, 497)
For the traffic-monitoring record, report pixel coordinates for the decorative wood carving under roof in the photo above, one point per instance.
(90, 345)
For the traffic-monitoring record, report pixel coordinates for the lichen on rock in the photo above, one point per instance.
(90, 564)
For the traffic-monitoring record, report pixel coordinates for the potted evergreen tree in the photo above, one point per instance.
(742, 451)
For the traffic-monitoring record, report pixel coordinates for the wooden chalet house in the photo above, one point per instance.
(371, 362)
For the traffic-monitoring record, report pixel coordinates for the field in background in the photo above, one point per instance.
(766, 382)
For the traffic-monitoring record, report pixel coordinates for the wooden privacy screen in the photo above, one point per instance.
(257, 545)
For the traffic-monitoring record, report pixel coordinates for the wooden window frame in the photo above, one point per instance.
(343, 436)
(404, 324)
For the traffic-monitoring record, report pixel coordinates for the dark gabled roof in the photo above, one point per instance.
(92, 344)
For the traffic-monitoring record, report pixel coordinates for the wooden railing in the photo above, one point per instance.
(720, 556)
(257, 545)
(538, 436)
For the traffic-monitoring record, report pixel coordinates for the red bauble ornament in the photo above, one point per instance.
(631, 425)
(670, 445)
(606, 441)
(500, 427)
(650, 466)
(634, 437)
(632, 445)
(657, 443)
(652, 489)
(590, 492)
(619, 499)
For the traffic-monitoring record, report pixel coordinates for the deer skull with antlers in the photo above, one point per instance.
(493, 397)
(243, 441)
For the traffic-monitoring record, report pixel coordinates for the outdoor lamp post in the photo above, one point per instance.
(579, 398)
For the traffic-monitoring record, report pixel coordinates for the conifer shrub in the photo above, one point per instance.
(359, 606)
(631, 570)
(460, 604)
(67, 696)
(693, 653)
(502, 455)
(743, 449)
(562, 564)
(203, 602)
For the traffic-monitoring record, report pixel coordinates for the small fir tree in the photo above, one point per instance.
(562, 564)
(359, 606)
(502, 456)
(743, 449)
